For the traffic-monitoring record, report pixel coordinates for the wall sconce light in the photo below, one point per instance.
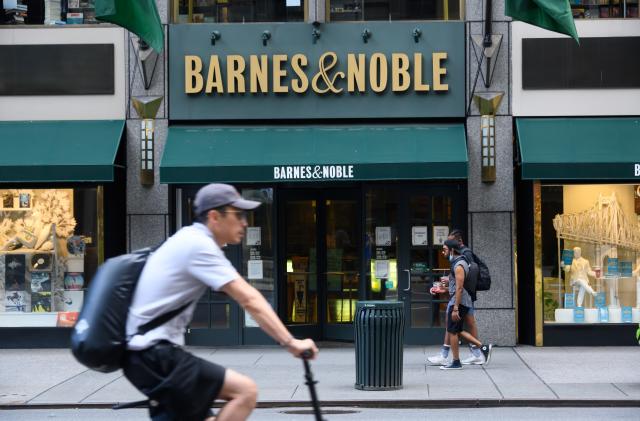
(215, 35)
(315, 34)
(416, 33)
(147, 108)
(488, 103)
(366, 34)
(266, 36)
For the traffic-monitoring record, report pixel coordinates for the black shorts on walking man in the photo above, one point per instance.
(179, 385)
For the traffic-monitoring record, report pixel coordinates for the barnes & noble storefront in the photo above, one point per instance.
(356, 149)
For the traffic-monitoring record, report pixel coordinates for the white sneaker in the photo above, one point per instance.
(473, 360)
(438, 360)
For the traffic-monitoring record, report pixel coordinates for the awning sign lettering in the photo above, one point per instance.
(313, 172)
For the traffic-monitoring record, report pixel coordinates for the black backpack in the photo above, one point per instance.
(483, 282)
(471, 278)
(99, 338)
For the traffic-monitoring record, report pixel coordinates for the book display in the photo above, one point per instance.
(49, 12)
(41, 260)
(599, 264)
(604, 9)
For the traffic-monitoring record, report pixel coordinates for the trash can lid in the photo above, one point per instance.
(379, 304)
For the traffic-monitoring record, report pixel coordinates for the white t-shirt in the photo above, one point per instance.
(178, 272)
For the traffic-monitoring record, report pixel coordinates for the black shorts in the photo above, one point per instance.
(456, 327)
(179, 385)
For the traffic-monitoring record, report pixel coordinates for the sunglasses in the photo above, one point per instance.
(240, 214)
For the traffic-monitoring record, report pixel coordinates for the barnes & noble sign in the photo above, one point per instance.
(338, 76)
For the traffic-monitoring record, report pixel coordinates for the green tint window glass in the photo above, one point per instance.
(257, 247)
(301, 266)
(343, 260)
(392, 10)
(381, 245)
(241, 11)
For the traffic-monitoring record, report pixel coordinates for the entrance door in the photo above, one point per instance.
(404, 233)
(430, 215)
(216, 320)
(320, 261)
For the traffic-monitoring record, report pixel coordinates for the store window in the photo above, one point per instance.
(241, 11)
(604, 9)
(258, 265)
(590, 253)
(48, 12)
(50, 248)
(392, 10)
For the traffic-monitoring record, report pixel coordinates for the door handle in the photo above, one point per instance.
(408, 280)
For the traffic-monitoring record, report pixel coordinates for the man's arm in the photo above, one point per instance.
(252, 301)
(459, 286)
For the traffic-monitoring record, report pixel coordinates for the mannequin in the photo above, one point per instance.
(580, 272)
(636, 273)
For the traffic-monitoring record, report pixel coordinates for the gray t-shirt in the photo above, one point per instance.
(465, 299)
(179, 272)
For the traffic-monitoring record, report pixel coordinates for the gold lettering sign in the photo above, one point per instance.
(279, 73)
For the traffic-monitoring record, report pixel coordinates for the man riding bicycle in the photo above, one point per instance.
(181, 386)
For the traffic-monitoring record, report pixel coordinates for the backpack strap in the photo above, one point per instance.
(160, 320)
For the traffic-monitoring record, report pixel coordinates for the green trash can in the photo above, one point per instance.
(379, 333)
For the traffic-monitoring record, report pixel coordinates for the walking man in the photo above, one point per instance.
(181, 386)
(476, 356)
(459, 305)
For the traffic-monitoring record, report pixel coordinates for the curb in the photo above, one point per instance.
(400, 404)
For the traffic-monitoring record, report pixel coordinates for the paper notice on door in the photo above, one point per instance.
(249, 321)
(254, 269)
(440, 233)
(382, 269)
(383, 236)
(419, 236)
(254, 236)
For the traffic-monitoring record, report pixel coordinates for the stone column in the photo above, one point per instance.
(148, 213)
(491, 218)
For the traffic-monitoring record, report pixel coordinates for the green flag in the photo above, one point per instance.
(554, 15)
(138, 16)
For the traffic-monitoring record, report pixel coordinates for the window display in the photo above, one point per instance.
(603, 9)
(48, 252)
(49, 12)
(591, 253)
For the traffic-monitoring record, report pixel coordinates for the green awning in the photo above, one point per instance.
(58, 151)
(319, 153)
(579, 148)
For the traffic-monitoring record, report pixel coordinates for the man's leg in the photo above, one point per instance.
(455, 347)
(476, 356)
(470, 320)
(241, 394)
(443, 356)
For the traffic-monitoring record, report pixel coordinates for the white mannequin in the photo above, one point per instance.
(580, 272)
(636, 273)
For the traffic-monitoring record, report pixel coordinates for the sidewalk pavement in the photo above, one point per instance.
(520, 376)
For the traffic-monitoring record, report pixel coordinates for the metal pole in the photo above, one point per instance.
(486, 42)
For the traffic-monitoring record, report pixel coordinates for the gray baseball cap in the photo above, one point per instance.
(216, 195)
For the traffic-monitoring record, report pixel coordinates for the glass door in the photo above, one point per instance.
(430, 215)
(405, 227)
(341, 271)
(216, 320)
(320, 261)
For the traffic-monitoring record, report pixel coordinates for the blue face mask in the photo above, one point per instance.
(451, 257)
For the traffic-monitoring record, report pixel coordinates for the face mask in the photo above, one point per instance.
(451, 257)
